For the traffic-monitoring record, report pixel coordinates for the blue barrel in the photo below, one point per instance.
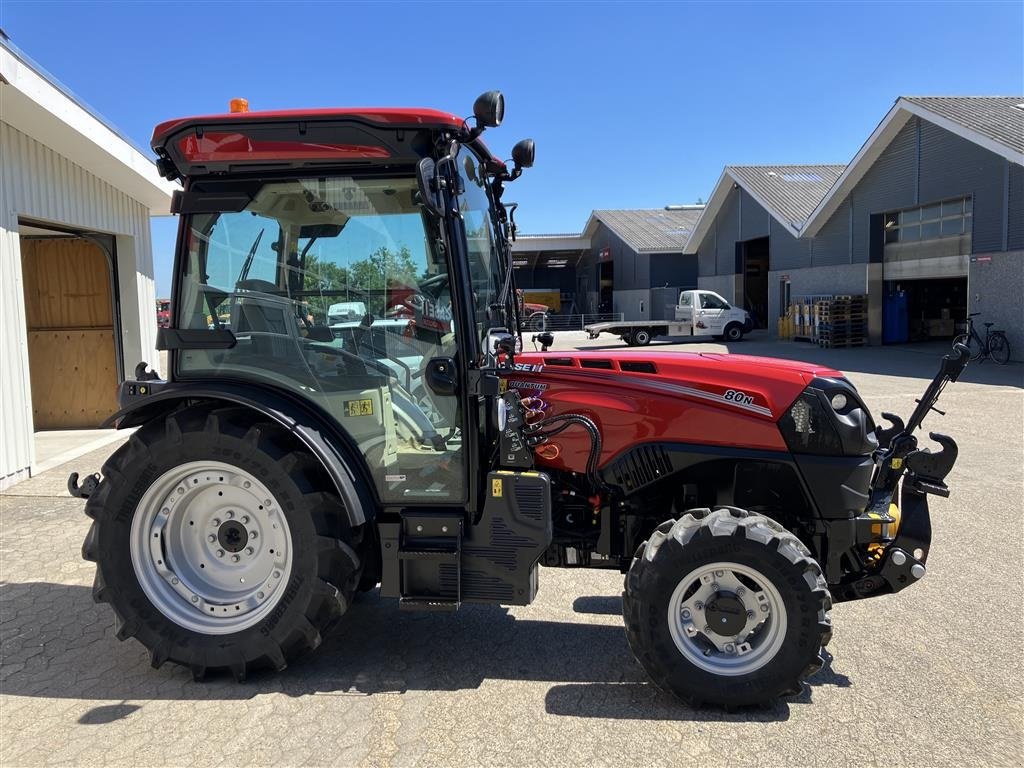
(895, 323)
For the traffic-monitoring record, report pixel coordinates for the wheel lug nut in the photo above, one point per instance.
(740, 591)
(216, 522)
(195, 599)
(715, 586)
(699, 605)
(230, 513)
(220, 553)
(250, 551)
(750, 614)
(254, 534)
(235, 558)
(245, 519)
(211, 538)
(686, 614)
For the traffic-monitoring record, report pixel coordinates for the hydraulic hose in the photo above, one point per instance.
(537, 434)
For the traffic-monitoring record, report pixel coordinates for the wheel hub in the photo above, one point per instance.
(233, 536)
(726, 615)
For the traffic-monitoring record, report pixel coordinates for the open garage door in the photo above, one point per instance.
(929, 309)
(69, 315)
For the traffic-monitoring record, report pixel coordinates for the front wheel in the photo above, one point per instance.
(218, 544)
(999, 348)
(726, 608)
(968, 341)
(734, 332)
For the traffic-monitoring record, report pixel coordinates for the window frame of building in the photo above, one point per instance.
(951, 217)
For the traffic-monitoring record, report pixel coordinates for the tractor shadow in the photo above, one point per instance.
(56, 643)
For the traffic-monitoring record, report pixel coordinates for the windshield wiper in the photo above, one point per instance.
(248, 259)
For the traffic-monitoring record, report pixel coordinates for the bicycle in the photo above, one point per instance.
(994, 346)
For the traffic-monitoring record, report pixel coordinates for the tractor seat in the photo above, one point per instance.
(989, 325)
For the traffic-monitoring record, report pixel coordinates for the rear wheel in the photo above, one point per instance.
(641, 337)
(999, 348)
(727, 608)
(218, 545)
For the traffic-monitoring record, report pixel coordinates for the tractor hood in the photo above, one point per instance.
(761, 386)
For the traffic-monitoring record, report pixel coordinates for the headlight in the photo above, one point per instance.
(838, 401)
(808, 427)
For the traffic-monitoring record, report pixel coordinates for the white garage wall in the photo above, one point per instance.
(38, 183)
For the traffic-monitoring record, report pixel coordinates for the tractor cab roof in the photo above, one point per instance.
(300, 138)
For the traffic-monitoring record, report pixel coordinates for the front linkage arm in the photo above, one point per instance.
(901, 562)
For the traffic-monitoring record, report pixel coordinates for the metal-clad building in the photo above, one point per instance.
(624, 261)
(926, 220)
(76, 270)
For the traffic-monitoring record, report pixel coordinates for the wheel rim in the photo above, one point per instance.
(211, 547)
(734, 334)
(746, 608)
(642, 337)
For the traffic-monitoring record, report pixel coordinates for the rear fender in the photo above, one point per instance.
(144, 401)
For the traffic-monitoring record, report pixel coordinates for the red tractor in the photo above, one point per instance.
(290, 460)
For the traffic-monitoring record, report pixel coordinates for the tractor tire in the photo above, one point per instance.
(734, 569)
(220, 545)
(734, 332)
(641, 337)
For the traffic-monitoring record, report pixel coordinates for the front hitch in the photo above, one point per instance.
(89, 485)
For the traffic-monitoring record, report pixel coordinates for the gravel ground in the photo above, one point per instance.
(932, 676)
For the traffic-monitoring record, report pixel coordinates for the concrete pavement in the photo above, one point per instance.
(932, 676)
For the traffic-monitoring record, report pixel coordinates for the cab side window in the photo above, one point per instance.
(710, 301)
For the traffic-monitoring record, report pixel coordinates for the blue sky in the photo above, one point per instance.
(632, 105)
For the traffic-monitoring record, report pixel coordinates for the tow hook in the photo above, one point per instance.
(89, 485)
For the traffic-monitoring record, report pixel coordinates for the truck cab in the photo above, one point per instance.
(706, 313)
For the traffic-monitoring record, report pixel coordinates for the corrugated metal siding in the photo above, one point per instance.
(786, 251)
(15, 405)
(951, 167)
(728, 232)
(890, 183)
(706, 255)
(754, 222)
(1015, 232)
(38, 183)
(832, 245)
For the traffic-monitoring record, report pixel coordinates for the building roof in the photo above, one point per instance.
(788, 192)
(38, 105)
(995, 123)
(999, 118)
(646, 230)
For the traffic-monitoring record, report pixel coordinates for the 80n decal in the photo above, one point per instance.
(736, 396)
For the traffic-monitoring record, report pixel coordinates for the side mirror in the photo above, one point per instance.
(426, 180)
(546, 339)
(523, 153)
(489, 109)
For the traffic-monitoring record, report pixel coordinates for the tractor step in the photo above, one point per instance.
(424, 572)
(427, 604)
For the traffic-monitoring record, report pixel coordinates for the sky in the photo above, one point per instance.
(632, 105)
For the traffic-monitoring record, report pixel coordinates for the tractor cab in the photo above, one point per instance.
(355, 259)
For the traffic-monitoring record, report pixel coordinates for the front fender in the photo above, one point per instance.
(144, 401)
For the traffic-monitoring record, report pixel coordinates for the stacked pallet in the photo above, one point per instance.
(842, 321)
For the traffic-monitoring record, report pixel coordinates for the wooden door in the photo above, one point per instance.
(70, 319)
